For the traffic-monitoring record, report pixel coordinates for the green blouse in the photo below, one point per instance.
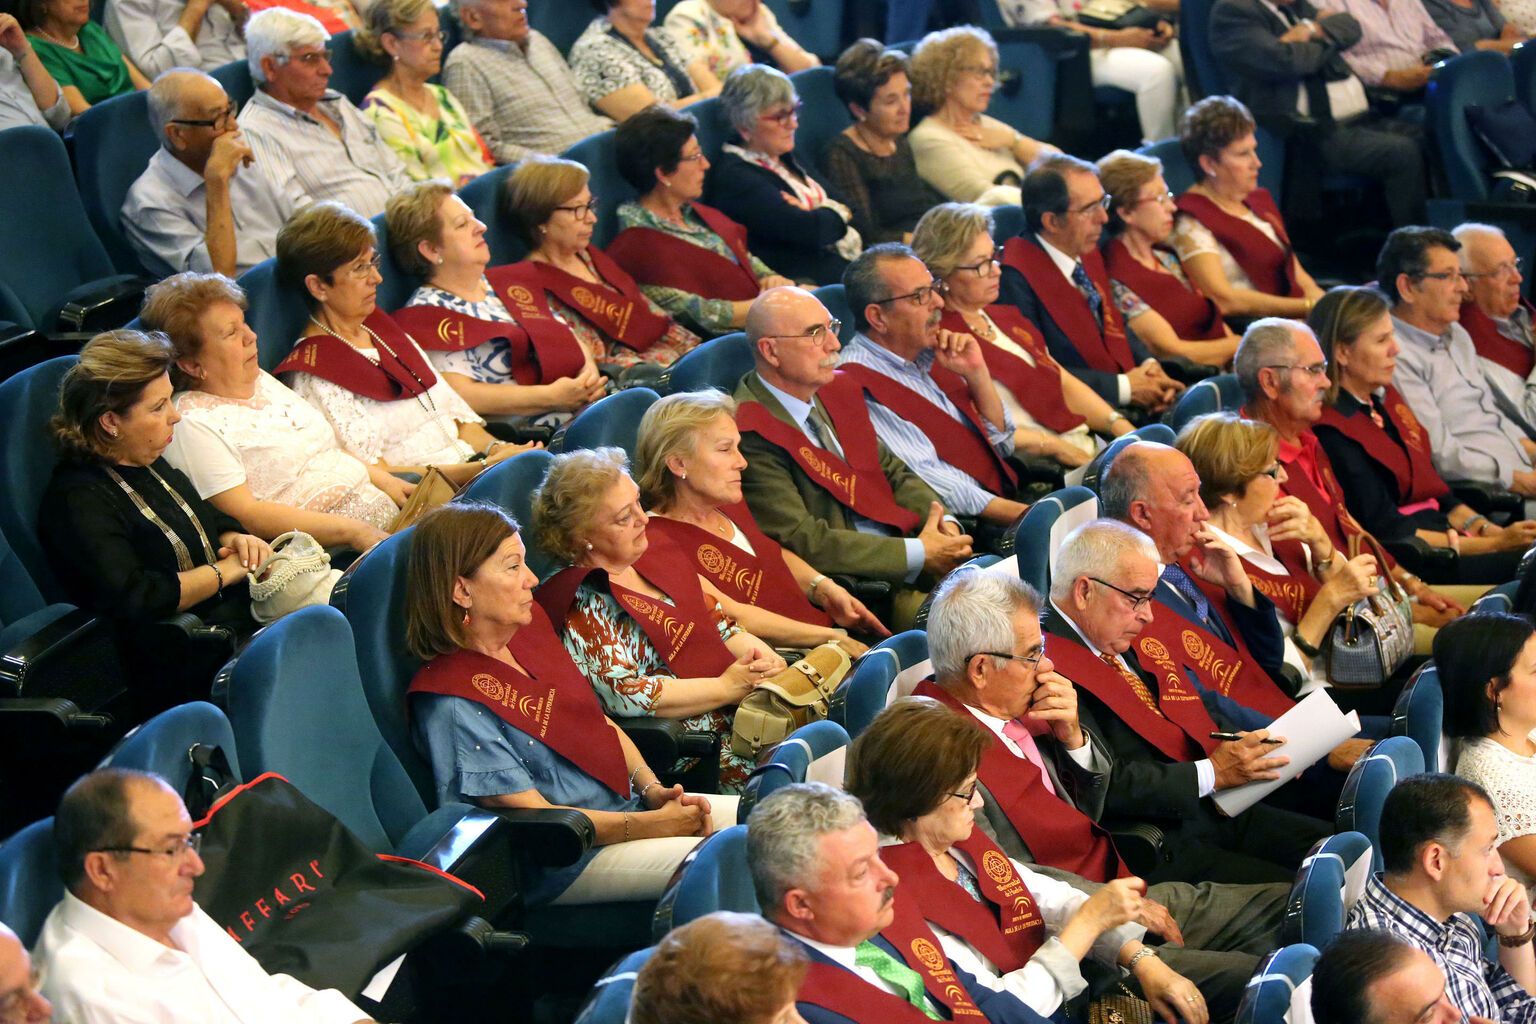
(96, 69)
(445, 147)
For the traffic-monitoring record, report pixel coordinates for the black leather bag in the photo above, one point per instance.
(1119, 14)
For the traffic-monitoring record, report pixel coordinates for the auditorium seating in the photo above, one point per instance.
(1203, 75)
(398, 283)
(1045, 525)
(1369, 782)
(1420, 715)
(163, 744)
(1481, 78)
(822, 118)
(275, 312)
(510, 484)
(816, 752)
(596, 154)
(817, 25)
(718, 363)
(1331, 879)
(609, 1001)
(1160, 433)
(113, 145)
(483, 196)
(611, 421)
(835, 298)
(29, 882)
(1523, 63)
(353, 74)
(1214, 394)
(1278, 993)
(865, 691)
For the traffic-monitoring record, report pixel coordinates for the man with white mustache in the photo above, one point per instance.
(927, 387)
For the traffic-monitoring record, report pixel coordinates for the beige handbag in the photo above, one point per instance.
(797, 696)
(434, 489)
(296, 575)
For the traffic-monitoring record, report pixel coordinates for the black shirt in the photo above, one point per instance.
(1370, 489)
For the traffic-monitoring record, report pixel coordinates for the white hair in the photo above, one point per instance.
(971, 613)
(784, 838)
(1471, 232)
(1098, 546)
(167, 94)
(274, 32)
(1267, 342)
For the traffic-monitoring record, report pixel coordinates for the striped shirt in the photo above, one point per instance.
(1394, 36)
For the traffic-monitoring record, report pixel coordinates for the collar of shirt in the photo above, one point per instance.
(1516, 326)
(876, 353)
(691, 225)
(1086, 642)
(264, 99)
(178, 175)
(1391, 904)
(1064, 263)
(995, 725)
(798, 410)
(133, 949)
(1419, 336)
(506, 46)
(843, 956)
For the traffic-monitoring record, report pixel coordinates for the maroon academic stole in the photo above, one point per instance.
(1173, 719)
(967, 450)
(1107, 350)
(616, 307)
(1293, 591)
(1229, 670)
(401, 372)
(555, 704)
(1187, 309)
(1409, 460)
(1037, 388)
(541, 356)
(1057, 833)
(840, 990)
(760, 577)
(1271, 267)
(683, 632)
(1328, 507)
(657, 258)
(859, 483)
(1007, 928)
(1490, 344)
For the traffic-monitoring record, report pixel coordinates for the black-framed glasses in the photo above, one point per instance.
(1315, 369)
(421, 37)
(970, 794)
(1443, 275)
(987, 267)
(1029, 661)
(222, 119)
(1102, 203)
(586, 209)
(1138, 601)
(193, 843)
(817, 333)
(787, 115)
(919, 297)
(1509, 268)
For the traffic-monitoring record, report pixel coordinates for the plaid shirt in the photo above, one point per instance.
(1477, 986)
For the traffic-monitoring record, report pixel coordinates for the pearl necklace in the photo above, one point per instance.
(68, 45)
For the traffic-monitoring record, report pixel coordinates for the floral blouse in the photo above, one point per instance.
(605, 62)
(443, 147)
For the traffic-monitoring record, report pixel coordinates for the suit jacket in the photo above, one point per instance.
(1074, 784)
(1265, 73)
(1260, 630)
(1016, 291)
(798, 513)
(794, 242)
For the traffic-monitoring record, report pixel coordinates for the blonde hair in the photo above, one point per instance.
(671, 427)
(412, 217)
(538, 185)
(113, 370)
(944, 233)
(320, 239)
(386, 16)
(1227, 451)
(567, 501)
(937, 61)
(452, 540)
(174, 308)
(1123, 174)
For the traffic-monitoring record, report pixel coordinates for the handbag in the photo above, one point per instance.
(1118, 14)
(1120, 1008)
(797, 696)
(433, 490)
(295, 575)
(1373, 637)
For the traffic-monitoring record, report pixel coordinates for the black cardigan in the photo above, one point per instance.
(794, 242)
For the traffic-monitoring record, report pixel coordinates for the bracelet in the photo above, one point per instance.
(1512, 941)
(1304, 646)
(626, 826)
(816, 581)
(647, 787)
(1324, 564)
(1466, 527)
(1136, 957)
(635, 775)
(220, 575)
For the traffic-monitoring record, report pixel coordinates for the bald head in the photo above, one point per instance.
(793, 341)
(20, 1003)
(1155, 488)
(186, 94)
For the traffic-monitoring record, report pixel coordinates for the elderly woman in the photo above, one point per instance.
(77, 52)
(968, 156)
(1229, 234)
(422, 122)
(690, 259)
(1487, 663)
(567, 282)
(1380, 453)
(506, 371)
(1285, 550)
(128, 535)
(792, 221)
(914, 769)
(253, 449)
(1145, 273)
(681, 982)
(728, 34)
(370, 379)
(870, 162)
(1053, 409)
(471, 617)
(689, 464)
(623, 63)
(638, 622)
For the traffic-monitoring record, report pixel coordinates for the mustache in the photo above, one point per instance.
(885, 900)
(831, 362)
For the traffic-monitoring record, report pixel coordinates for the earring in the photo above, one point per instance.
(113, 433)
(665, 183)
(439, 261)
(466, 618)
(683, 475)
(589, 545)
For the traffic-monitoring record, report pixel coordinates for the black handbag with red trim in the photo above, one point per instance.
(305, 896)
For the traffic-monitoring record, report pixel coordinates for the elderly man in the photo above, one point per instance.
(818, 875)
(1154, 723)
(818, 479)
(158, 35)
(1498, 319)
(20, 1002)
(128, 943)
(1368, 976)
(514, 84)
(926, 387)
(1055, 276)
(202, 203)
(1395, 37)
(1441, 871)
(310, 137)
(1043, 781)
(28, 93)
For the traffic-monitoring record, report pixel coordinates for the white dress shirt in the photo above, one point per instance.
(844, 956)
(149, 32)
(1066, 264)
(97, 970)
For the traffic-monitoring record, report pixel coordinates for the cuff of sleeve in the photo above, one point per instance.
(914, 559)
(1205, 771)
(1083, 756)
(1123, 383)
(1107, 947)
(1062, 966)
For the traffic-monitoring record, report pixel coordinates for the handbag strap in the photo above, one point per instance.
(211, 777)
(183, 556)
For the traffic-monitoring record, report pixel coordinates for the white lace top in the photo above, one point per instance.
(1191, 238)
(1510, 780)
(279, 446)
(418, 431)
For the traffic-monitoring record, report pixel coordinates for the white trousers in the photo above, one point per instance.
(1156, 77)
(641, 868)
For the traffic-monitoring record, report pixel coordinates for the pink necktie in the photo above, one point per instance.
(1019, 733)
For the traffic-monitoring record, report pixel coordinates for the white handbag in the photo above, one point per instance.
(297, 574)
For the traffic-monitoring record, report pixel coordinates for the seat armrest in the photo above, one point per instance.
(552, 837)
(1489, 499)
(74, 656)
(1417, 556)
(37, 719)
(659, 740)
(1186, 371)
(1140, 846)
(102, 305)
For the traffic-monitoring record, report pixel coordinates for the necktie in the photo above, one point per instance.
(1177, 578)
(1085, 285)
(1137, 684)
(822, 433)
(893, 972)
(1021, 736)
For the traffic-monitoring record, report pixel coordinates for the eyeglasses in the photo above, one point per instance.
(785, 116)
(309, 59)
(1507, 269)
(421, 37)
(1027, 660)
(818, 333)
(1167, 198)
(919, 297)
(693, 158)
(1443, 275)
(364, 267)
(983, 70)
(1138, 601)
(1273, 472)
(587, 209)
(180, 848)
(1315, 369)
(1101, 203)
(222, 119)
(970, 794)
(987, 267)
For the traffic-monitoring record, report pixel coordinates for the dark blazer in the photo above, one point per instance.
(1016, 291)
(1074, 784)
(1260, 630)
(1262, 71)
(794, 242)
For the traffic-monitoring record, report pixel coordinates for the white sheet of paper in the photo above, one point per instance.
(381, 981)
(1311, 729)
(1005, 566)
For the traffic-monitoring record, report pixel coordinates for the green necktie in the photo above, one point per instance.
(893, 972)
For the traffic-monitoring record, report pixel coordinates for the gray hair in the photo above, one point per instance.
(1097, 546)
(1471, 232)
(784, 838)
(166, 94)
(1266, 342)
(972, 612)
(274, 32)
(944, 233)
(1127, 479)
(750, 90)
(863, 281)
